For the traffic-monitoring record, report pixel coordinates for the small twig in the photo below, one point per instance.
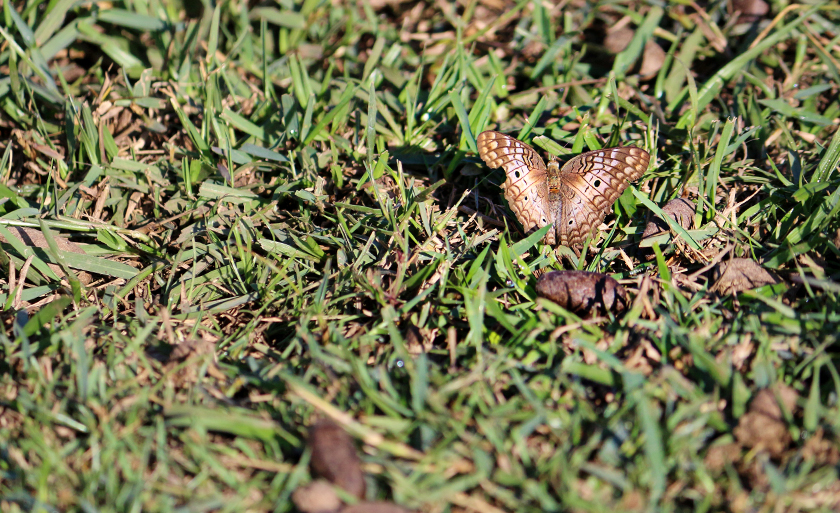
(779, 17)
(452, 343)
(12, 279)
(489, 220)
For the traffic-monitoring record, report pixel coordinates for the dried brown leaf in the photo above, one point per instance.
(720, 455)
(34, 238)
(334, 457)
(316, 497)
(652, 60)
(763, 426)
(820, 450)
(766, 403)
(617, 39)
(740, 274)
(188, 358)
(583, 292)
(680, 210)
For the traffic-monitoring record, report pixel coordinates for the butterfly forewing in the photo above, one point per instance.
(526, 188)
(590, 183)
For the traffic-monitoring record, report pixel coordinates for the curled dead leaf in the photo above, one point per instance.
(316, 497)
(583, 292)
(763, 426)
(334, 457)
(680, 210)
(740, 274)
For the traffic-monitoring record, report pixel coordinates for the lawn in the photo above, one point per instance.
(223, 223)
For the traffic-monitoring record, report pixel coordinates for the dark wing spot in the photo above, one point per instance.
(516, 174)
(571, 222)
(597, 183)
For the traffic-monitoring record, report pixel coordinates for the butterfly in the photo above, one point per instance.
(575, 197)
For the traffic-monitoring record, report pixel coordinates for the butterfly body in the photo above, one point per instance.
(575, 197)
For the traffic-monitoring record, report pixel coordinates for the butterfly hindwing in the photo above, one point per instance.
(592, 183)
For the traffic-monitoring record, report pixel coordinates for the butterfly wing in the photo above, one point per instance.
(589, 184)
(526, 186)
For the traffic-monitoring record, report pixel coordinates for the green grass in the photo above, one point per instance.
(284, 217)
